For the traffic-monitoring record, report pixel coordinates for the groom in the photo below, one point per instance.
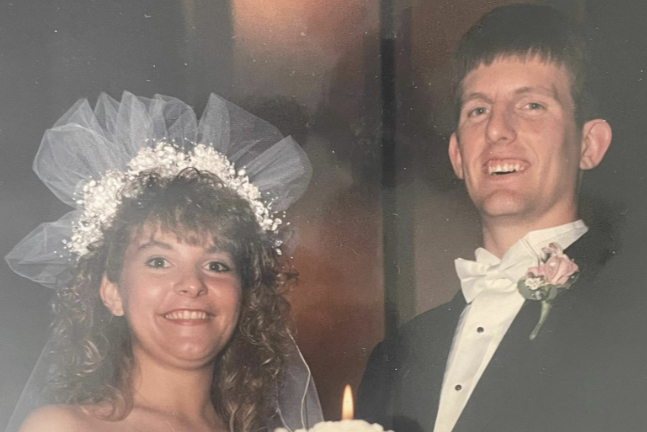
(524, 136)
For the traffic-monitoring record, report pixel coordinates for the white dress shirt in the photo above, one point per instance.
(492, 304)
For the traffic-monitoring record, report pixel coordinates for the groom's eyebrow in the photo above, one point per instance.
(550, 92)
(476, 96)
(546, 91)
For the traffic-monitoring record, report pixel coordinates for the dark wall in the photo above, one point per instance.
(618, 36)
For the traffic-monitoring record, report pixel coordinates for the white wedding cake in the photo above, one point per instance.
(341, 426)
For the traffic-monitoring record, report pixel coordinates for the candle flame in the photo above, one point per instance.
(347, 408)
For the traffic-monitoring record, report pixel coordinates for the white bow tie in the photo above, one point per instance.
(488, 272)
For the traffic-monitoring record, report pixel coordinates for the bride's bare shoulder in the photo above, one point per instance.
(60, 418)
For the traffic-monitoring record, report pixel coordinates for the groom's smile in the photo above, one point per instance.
(500, 167)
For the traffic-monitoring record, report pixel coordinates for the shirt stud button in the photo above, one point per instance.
(458, 387)
(480, 329)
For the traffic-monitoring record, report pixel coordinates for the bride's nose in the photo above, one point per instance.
(190, 284)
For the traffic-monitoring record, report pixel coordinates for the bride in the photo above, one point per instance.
(171, 314)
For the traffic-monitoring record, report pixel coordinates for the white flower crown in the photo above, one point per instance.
(101, 199)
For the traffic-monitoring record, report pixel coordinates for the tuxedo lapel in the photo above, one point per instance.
(426, 349)
(506, 376)
(514, 375)
(440, 354)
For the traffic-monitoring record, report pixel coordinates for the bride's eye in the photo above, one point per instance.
(157, 263)
(218, 267)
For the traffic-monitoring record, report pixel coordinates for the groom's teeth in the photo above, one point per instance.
(505, 168)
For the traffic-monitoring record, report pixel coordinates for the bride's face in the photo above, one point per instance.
(181, 301)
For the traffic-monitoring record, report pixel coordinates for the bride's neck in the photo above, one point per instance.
(171, 390)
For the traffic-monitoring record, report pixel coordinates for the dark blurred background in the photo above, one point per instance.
(355, 82)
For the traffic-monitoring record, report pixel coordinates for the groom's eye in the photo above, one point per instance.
(533, 106)
(477, 112)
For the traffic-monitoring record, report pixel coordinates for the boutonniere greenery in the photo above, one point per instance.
(555, 274)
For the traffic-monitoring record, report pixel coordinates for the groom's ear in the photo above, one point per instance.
(596, 138)
(455, 156)
(111, 297)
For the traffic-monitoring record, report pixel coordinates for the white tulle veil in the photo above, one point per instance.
(85, 143)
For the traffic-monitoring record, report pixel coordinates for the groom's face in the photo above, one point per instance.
(517, 145)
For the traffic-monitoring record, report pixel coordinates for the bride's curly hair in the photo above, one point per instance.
(94, 357)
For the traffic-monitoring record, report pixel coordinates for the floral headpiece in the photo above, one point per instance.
(101, 199)
(89, 155)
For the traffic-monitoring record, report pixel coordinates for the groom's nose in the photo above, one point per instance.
(500, 125)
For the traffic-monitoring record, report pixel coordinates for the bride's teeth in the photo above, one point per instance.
(186, 315)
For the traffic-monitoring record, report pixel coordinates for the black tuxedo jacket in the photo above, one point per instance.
(585, 371)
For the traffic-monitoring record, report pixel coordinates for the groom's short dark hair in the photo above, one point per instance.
(525, 30)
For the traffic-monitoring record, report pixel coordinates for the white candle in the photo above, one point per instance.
(347, 405)
(347, 424)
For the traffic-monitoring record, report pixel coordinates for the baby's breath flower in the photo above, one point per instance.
(534, 283)
(101, 198)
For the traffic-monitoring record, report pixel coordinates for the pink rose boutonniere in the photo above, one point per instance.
(555, 274)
